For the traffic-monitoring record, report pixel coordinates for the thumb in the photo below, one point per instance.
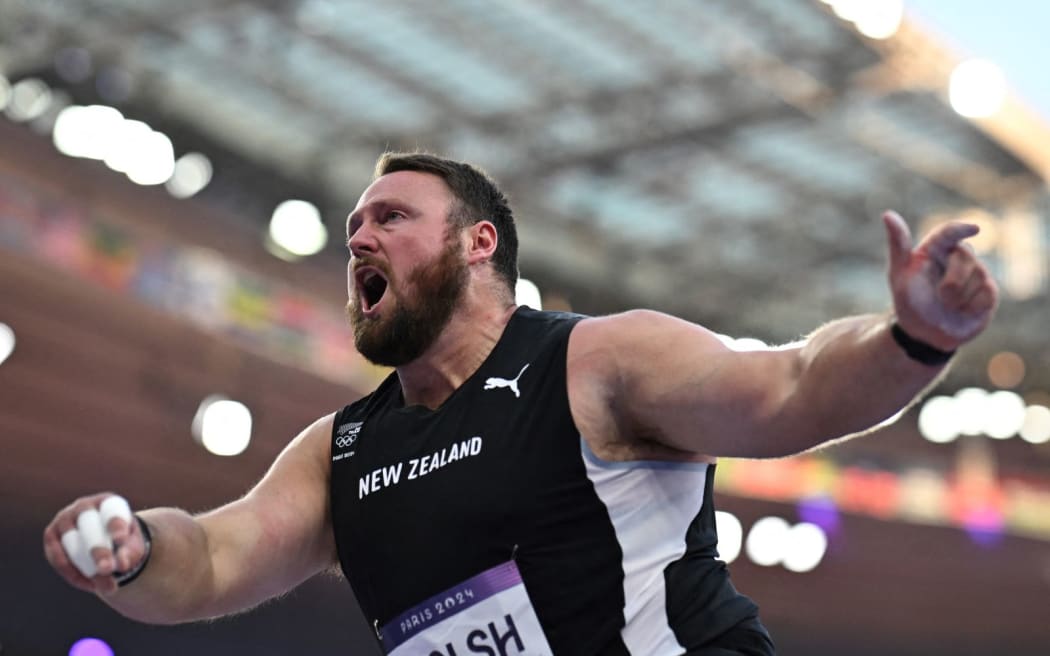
(899, 239)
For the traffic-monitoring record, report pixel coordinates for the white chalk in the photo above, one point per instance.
(78, 554)
(114, 506)
(92, 532)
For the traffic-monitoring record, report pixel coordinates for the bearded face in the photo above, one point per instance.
(422, 307)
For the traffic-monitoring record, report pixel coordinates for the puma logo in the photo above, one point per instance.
(512, 384)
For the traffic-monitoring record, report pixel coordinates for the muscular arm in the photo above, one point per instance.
(647, 377)
(672, 382)
(240, 554)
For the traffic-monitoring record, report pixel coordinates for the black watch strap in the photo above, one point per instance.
(124, 578)
(918, 350)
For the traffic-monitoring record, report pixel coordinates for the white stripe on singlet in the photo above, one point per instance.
(651, 505)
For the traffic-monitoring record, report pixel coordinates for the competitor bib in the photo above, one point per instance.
(487, 614)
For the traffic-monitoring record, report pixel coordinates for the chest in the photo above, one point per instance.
(463, 467)
(440, 496)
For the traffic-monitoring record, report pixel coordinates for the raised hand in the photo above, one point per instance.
(93, 538)
(942, 294)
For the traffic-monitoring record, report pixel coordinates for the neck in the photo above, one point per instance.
(458, 352)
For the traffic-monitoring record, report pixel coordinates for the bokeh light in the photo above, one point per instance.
(749, 344)
(1036, 426)
(1004, 414)
(820, 510)
(730, 535)
(984, 526)
(805, 547)
(938, 422)
(122, 153)
(743, 343)
(972, 411)
(193, 172)
(977, 88)
(29, 98)
(7, 342)
(296, 227)
(527, 293)
(5, 92)
(153, 160)
(223, 426)
(145, 156)
(969, 409)
(90, 647)
(1006, 369)
(85, 131)
(879, 19)
(847, 9)
(876, 19)
(767, 541)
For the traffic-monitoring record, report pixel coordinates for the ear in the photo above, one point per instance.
(483, 240)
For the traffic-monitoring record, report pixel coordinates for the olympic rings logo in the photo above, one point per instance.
(344, 441)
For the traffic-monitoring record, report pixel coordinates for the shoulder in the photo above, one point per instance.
(312, 444)
(545, 321)
(621, 367)
(607, 356)
(637, 335)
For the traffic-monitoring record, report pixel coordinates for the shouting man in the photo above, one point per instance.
(525, 481)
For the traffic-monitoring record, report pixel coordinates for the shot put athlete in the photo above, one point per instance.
(525, 481)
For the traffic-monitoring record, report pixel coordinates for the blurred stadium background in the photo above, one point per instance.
(723, 160)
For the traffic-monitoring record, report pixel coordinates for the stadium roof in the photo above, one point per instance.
(726, 161)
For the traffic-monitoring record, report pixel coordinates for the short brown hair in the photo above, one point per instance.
(477, 199)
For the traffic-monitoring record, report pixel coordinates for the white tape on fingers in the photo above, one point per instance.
(92, 532)
(114, 506)
(78, 554)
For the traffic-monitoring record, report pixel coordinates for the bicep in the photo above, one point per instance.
(277, 535)
(675, 383)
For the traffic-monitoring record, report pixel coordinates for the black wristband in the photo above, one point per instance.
(919, 351)
(124, 578)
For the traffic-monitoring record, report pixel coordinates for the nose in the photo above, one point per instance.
(362, 241)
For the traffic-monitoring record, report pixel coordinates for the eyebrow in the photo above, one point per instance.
(380, 204)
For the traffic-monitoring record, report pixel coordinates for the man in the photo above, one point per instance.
(526, 482)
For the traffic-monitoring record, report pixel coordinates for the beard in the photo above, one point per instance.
(432, 292)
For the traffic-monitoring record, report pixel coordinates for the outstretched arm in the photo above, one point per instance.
(223, 561)
(648, 376)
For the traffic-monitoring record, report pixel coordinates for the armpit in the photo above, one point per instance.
(641, 449)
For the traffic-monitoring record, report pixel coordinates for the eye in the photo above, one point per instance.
(392, 215)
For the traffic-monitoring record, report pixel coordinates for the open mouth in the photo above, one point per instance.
(371, 285)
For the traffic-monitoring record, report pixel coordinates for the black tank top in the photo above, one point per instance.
(424, 499)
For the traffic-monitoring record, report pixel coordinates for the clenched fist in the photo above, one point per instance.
(93, 540)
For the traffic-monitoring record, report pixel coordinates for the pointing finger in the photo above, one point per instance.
(899, 238)
(939, 243)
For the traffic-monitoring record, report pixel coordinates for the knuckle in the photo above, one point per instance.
(80, 505)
